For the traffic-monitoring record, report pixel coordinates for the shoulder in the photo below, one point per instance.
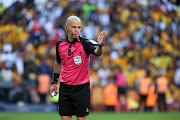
(88, 45)
(60, 40)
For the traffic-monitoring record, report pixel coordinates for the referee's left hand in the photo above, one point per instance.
(101, 38)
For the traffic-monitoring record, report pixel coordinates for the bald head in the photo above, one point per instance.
(73, 27)
(72, 18)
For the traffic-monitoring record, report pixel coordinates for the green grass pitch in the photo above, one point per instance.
(94, 116)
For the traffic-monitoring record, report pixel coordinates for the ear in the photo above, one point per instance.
(66, 29)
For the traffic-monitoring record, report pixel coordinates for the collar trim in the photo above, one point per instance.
(74, 41)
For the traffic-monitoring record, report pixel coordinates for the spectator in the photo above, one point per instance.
(143, 91)
(151, 98)
(161, 86)
(122, 89)
(43, 87)
(110, 96)
(177, 75)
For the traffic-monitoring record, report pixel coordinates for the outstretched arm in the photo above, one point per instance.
(101, 39)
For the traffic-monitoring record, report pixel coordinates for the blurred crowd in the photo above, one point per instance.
(140, 66)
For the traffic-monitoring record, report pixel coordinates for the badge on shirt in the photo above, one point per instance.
(77, 60)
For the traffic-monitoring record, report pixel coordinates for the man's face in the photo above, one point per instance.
(73, 28)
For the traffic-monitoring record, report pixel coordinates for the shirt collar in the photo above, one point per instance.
(73, 42)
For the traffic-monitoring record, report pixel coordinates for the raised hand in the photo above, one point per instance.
(101, 38)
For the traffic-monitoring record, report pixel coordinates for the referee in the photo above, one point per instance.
(72, 60)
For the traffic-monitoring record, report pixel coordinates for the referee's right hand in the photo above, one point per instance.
(53, 89)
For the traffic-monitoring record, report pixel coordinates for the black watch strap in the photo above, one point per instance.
(101, 45)
(55, 78)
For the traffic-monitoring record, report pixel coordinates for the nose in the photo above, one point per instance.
(76, 30)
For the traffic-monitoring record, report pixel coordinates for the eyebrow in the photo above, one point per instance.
(76, 26)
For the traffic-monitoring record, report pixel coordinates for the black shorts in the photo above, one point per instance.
(74, 100)
(121, 91)
(143, 98)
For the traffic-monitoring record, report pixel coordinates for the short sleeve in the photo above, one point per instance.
(57, 52)
(89, 46)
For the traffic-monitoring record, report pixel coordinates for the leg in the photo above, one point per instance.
(65, 107)
(42, 98)
(123, 102)
(151, 109)
(164, 102)
(142, 103)
(81, 118)
(159, 102)
(81, 100)
(66, 117)
(122, 99)
(146, 108)
(145, 98)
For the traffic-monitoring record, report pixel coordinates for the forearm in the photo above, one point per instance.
(57, 70)
(98, 51)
